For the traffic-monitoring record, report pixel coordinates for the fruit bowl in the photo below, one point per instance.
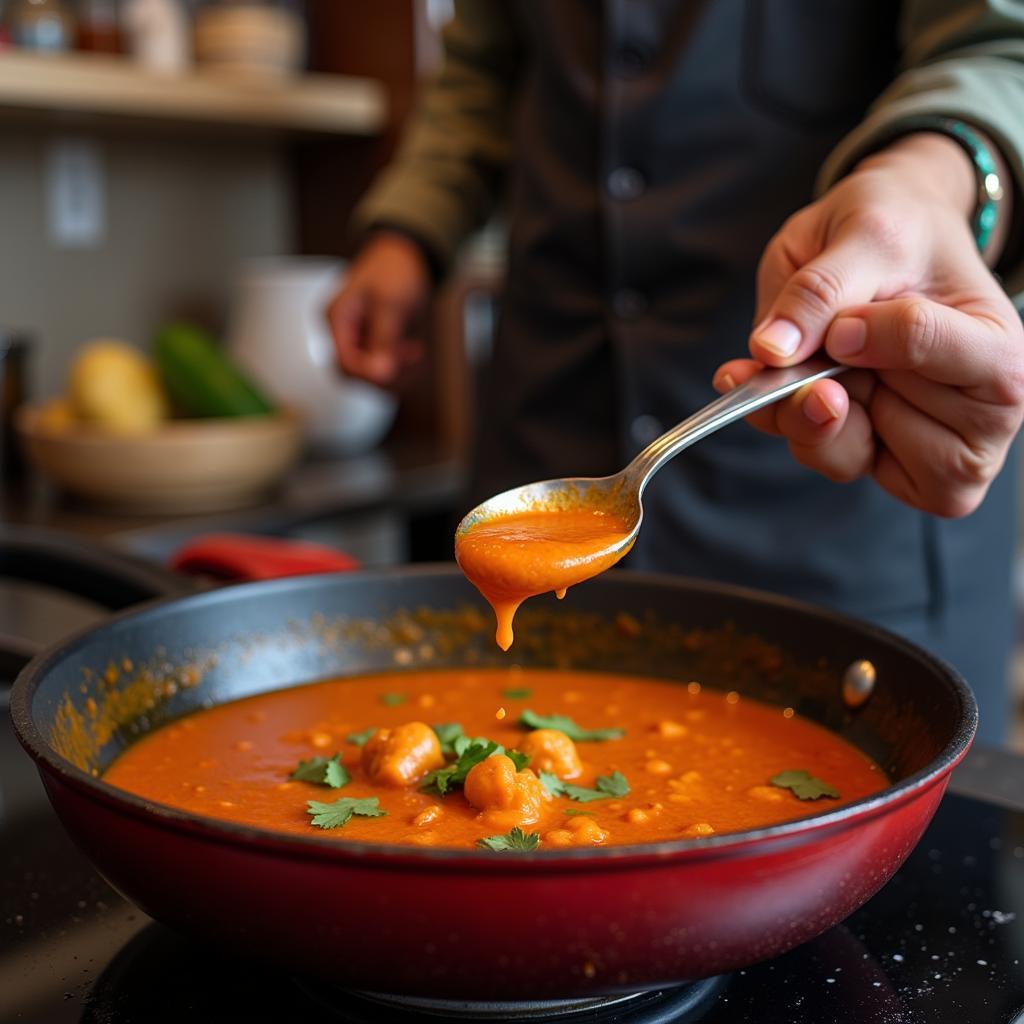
(202, 465)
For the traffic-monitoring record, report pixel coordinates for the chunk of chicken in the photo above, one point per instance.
(550, 750)
(577, 832)
(505, 797)
(403, 755)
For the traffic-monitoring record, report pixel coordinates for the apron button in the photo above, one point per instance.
(632, 61)
(644, 429)
(629, 304)
(626, 183)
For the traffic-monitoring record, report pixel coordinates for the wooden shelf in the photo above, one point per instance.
(109, 87)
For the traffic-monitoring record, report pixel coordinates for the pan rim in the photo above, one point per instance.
(733, 844)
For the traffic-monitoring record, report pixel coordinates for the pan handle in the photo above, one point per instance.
(98, 573)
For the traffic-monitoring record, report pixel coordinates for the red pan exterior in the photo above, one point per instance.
(573, 928)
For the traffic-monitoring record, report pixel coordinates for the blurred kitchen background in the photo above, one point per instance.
(194, 162)
(176, 178)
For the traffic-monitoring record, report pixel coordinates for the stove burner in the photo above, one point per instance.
(134, 987)
(677, 1005)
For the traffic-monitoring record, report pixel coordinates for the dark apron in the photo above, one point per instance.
(659, 145)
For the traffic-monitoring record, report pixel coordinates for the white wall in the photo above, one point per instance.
(181, 214)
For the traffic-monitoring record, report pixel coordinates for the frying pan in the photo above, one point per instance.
(471, 924)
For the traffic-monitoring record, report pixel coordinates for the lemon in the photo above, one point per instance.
(113, 385)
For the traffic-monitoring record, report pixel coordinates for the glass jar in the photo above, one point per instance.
(42, 25)
(99, 26)
(5, 34)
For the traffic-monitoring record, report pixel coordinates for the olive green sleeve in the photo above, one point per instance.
(444, 181)
(963, 60)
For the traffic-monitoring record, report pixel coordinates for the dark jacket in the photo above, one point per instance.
(654, 148)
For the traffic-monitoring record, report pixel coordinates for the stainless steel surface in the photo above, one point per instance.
(858, 683)
(764, 388)
(624, 491)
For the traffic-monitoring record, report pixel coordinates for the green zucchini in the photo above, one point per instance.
(200, 379)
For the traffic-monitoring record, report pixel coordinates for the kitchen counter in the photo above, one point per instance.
(318, 500)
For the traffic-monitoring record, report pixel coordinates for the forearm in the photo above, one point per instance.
(445, 178)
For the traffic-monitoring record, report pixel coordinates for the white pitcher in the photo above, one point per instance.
(278, 332)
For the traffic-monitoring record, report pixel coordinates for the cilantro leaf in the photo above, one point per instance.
(324, 771)
(338, 813)
(576, 812)
(517, 694)
(519, 759)
(470, 753)
(804, 785)
(392, 700)
(552, 783)
(447, 734)
(516, 839)
(606, 787)
(531, 720)
(360, 739)
(462, 743)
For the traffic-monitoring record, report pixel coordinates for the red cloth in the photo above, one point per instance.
(245, 557)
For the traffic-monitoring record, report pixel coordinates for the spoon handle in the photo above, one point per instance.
(766, 386)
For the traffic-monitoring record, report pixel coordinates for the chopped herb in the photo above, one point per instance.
(338, 813)
(517, 839)
(325, 771)
(804, 785)
(470, 752)
(462, 743)
(336, 774)
(447, 734)
(517, 694)
(606, 787)
(392, 700)
(531, 720)
(360, 739)
(578, 812)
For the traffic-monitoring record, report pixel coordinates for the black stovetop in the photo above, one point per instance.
(942, 943)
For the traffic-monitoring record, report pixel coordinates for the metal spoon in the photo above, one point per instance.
(622, 493)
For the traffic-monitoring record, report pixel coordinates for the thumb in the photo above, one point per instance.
(345, 317)
(844, 274)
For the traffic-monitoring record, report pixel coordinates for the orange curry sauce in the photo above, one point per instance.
(512, 557)
(698, 762)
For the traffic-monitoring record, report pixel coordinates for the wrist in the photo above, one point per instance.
(407, 245)
(932, 164)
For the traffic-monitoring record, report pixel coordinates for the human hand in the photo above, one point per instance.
(377, 316)
(883, 272)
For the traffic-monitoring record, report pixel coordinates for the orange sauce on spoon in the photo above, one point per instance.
(512, 557)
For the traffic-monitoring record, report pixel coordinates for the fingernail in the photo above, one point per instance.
(724, 382)
(817, 410)
(846, 337)
(780, 336)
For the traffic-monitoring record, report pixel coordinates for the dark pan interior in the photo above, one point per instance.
(91, 698)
